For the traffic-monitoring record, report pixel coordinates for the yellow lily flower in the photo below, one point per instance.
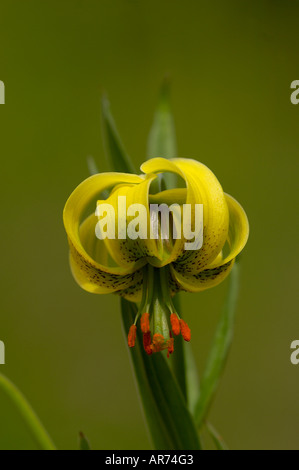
(146, 270)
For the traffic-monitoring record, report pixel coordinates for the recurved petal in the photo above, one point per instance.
(98, 281)
(220, 268)
(98, 251)
(202, 280)
(202, 188)
(238, 231)
(170, 247)
(132, 218)
(101, 275)
(90, 262)
(133, 293)
(86, 192)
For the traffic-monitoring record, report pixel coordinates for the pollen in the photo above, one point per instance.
(160, 343)
(144, 323)
(132, 336)
(147, 343)
(175, 324)
(185, 330)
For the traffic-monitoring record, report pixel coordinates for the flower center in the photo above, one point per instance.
(157, 315)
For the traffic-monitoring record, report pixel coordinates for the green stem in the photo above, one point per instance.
(38, 431)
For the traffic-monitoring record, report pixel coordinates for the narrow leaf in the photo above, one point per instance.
(169, 421)
(162, 138)
(218, 440)
(219, 350)
(83, 442)
(92, 166)
(29, 416)
(192, 378)
(117, 157)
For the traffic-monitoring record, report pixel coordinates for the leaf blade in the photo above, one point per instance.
(83, 442)
(32, 421)
(91, 165)
(116, 154)
(218, 440)
(162, 137)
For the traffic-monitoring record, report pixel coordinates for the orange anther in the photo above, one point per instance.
(147, 343)
(170, 347)
(144, 323)
(185, 330)
(158, 343)
(132, 336)
(175, 324)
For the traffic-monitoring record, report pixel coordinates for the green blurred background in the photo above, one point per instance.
(231, 65)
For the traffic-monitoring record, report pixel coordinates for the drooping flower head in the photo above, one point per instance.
(150, 266)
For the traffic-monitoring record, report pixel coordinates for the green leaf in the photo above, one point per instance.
(92, 166)
(83, 442)
(192, 378)
(29, 416)
(219, 350)
(218, 440)
(162, 138)
(117, 157)
(169, 421)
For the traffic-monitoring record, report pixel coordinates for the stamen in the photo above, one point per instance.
(158, 343)
(175, 324)
(132, 336)
(147, 343)
(170, 345)
(185, 330)
(144, 323)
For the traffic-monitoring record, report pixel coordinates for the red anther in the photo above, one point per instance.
(170, 347)
(144, 323)
(147, 343)
(185, 330)
(158, 343)
(175, 324)
(132, 336)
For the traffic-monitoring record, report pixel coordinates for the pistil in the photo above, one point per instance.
(157, 314)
